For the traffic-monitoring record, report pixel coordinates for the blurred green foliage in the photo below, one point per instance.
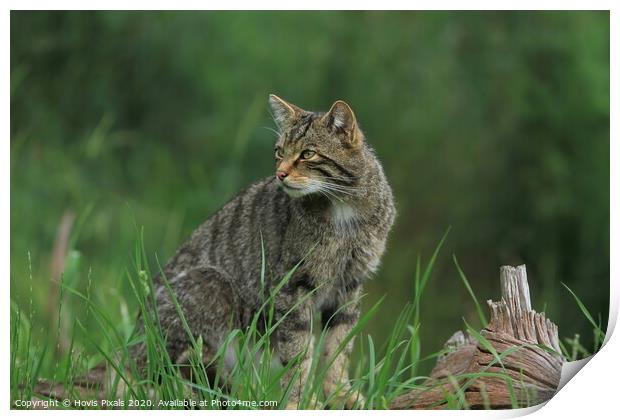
(494, 123)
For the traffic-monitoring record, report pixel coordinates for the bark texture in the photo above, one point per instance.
(516, 358)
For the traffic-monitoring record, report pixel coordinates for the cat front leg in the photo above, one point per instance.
(294, 341)
(337, 350)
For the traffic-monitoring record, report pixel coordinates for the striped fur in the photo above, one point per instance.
(334, 208)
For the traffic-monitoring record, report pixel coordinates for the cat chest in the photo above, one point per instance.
(338, 272)
(342, 259)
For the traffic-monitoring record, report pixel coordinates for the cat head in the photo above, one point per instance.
(318, 152)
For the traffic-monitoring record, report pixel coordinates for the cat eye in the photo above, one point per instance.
(278, 153)
(307, 154)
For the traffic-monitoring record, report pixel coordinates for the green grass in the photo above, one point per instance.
(382, 372)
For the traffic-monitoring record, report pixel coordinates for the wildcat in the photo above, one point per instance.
(328, 208)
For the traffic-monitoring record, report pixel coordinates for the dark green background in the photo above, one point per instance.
(496, 124)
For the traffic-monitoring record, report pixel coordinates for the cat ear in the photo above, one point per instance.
(341, 120)
(283, 112)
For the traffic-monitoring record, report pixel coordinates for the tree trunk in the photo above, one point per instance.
(515, 361)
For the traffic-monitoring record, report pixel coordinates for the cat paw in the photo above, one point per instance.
(312, 404)
(347, 398)
(291, 405)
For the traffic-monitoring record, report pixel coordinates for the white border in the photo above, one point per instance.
(591, 393)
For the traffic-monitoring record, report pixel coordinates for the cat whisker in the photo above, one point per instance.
(338, 188)
(338, 191)
(335, 192)
(327, 192)
(276, 132)
(342, 187)
(325, 195)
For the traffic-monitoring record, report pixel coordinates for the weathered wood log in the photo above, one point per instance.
(517, 360)
(88, 387)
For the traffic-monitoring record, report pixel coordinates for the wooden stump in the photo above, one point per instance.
(516, 360)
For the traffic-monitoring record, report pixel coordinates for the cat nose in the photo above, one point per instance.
(281, 175)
